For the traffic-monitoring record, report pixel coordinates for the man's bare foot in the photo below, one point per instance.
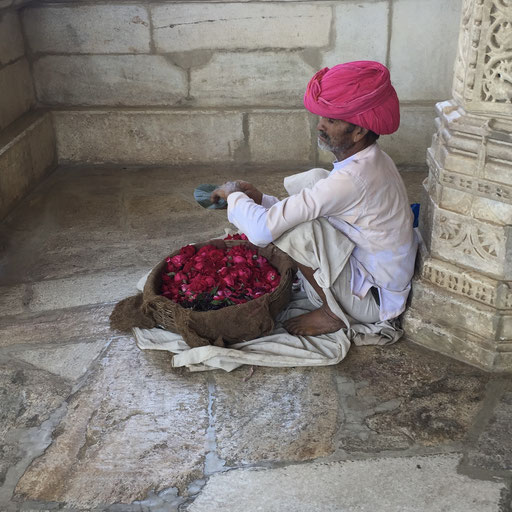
(320, 321)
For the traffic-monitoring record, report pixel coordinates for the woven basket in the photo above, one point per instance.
(230, 324)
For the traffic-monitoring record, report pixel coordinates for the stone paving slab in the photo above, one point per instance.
(136, 426)
(102, 218)
(67, 258)
(195, 221)
(69, 361)
(83, 290)
(276, 415)
(90, 322)
(12, 300)
(28, 395)
(81, 210)
(403, 396)
(73, 261)
(493, 448)
(415, 484)
(179, 178)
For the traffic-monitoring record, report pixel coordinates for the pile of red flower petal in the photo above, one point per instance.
(212, 278)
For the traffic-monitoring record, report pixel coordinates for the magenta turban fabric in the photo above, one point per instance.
(357, 92)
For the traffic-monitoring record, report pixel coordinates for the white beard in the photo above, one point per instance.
(324, 145)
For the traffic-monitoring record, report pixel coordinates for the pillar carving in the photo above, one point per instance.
(483, 67)
(462, 296)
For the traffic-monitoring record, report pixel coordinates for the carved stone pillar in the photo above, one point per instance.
(462, 298)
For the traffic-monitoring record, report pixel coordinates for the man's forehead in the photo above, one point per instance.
(333, 120)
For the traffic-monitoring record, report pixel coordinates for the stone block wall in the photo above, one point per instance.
(27, 141)
(17, 94)
(172, 82)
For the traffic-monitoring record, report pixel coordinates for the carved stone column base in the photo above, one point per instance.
(459, 327)
(462, 297)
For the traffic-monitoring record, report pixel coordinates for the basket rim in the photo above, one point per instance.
(272, 296)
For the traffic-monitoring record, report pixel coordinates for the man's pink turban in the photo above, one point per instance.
(357, 92)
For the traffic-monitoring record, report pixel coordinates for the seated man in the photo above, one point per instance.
(363, 197)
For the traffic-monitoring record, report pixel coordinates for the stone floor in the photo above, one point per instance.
(89, 422)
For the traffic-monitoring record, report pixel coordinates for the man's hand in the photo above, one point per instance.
(236, 186)
(224, 190)
(251, 191)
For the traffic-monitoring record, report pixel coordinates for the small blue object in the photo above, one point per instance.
(202, 196)
(415, 207)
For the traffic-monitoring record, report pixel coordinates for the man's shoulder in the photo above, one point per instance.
(373, 170)
(370, 158)
(380, 153)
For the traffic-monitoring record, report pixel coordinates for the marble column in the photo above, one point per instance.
(462, 296)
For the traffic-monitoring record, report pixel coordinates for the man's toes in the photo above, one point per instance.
(290, 322)
(292, 326)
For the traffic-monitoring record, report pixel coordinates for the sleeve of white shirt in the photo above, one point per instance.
(334, 195)
(268, 201)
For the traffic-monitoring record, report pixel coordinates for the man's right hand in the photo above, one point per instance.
(251, 191)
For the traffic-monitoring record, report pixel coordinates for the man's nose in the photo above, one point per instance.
(320, 124)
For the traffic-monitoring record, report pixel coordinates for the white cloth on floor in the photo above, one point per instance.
(279, 349)
(318, 245)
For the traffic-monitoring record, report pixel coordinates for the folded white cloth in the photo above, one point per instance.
(277, 349)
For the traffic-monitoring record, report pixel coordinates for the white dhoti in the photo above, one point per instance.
(317, 245)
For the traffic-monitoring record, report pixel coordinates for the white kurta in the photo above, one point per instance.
(364, 197)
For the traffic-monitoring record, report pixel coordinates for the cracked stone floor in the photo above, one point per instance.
(89, 422)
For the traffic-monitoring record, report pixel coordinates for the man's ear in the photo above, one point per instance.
(359, 133)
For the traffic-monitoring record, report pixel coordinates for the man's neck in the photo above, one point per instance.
(358, 146)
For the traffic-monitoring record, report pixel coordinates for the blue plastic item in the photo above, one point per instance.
(202, 196)
(415, 207)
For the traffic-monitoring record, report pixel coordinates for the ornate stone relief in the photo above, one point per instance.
(497, 73)
(467, 53)
(507, 299)
(495, 191)
(470, 238)
(465, 62)
(478, 187)
(459, 283)
(483, 66)
(472, 243)
(468, 284)
(476, 163)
